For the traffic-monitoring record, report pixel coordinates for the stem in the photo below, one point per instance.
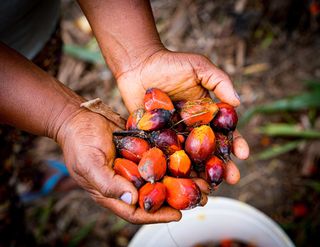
(194, 115)
(136, 133)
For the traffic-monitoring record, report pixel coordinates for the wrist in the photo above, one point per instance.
(126, 59)
(61, 117)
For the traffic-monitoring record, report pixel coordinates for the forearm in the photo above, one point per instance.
(125, 31)
(30, 99)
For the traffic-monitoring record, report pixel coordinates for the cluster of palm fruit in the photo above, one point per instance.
(166, 141)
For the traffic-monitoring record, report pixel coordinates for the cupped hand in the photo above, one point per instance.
(86, 141)
(183, 76)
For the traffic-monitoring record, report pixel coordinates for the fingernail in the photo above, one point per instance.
(126, 197)
(237, 96)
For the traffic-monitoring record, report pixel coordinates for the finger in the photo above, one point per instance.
(112, 185)
(202, 184)
(217, 81)
(240, 147)
(232, 173)
(132, 96)
(138, 215)
(96, 170)
(205, 190)
(204, 200)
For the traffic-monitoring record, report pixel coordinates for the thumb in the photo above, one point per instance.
(217, 81)
(131, 91)
(111, 185)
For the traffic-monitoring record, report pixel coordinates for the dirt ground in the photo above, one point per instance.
(267, 47)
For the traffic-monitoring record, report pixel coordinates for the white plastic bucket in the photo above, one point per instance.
(221, 218)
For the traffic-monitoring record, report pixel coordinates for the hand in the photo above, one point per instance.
(182, 76)
(86, 141)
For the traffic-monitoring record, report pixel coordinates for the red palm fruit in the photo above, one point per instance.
(156, 99)
(154, 120)
(179, 104)
(182, 193)
(176, 122)
(128, 170)
(223, 145)
(131, 148)
(200, 143)
(300, 209)
(179, 164)
(134, 118)
(214, 171)
(226, 119)
(153, 165)
(152, 196)
(167, 140)
(198, 112)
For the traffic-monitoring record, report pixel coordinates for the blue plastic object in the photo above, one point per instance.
(50, 184)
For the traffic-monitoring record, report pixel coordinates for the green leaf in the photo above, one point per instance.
(277, 150)
(313, 84)
(83, 53)
(299, 102)
(315, 185)
(81, 235)
(267, 41)
(43, 217)
(118, 225)
(288, 130)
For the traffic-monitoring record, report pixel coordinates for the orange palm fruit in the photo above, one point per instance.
(214, 171)
(134, 118)
(153, 165)
(129, 170)
(167, 140)
(181, 138)
(179, 164)
(200, 143)
(152, 196)
(132, 148)
(157, 99)
(182, 193)
(198, 112)
(154, 120)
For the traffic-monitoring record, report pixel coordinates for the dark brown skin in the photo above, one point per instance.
(139, 60)
(33, 101)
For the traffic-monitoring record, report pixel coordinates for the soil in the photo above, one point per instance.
(267, 47)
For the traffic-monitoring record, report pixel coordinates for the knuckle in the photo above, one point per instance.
(106, 190)
(131, 218)
(81, 169)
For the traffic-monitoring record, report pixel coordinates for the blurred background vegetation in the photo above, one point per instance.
(271, 51)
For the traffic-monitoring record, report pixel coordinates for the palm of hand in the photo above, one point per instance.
(180, 75)
(89, 152)
(183, 76)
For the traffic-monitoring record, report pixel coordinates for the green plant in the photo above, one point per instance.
(307, 103)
